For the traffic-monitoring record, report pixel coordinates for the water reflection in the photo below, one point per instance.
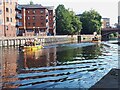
(54, 64)
(40, 58)
(91, 52)
(84, 53)
(55, 56)
(9, 65)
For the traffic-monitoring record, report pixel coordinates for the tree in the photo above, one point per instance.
(66, 21)
(91, 22)
(76, 24)
(31, 3)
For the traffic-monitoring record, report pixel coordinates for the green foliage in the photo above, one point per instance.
(113, 35)
(91, 22)
(66, 21)
(31, 3)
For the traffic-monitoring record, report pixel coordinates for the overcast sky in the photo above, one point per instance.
(106, 8)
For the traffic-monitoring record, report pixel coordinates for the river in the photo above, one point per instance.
(74, 65)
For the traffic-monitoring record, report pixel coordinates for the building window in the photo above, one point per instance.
(50, 13)
(42, 17)
(7, 19)
(6, 27)
(0, 2)
(11, 19)
(28, 18)
(51, 25)
(42, 24)
(28, 11)
(1, 21)
(42, 30)
(28, 24)
(33, 24)
(41, 11)
(33, 17)
(10, 10)
(34, 11)
(10, 1)
(50, 19)
(7, 10)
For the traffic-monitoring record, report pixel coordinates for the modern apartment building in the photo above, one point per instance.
(37, 20)
(105, 22)
(8, 18)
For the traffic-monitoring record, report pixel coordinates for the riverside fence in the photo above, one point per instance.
(16, 41)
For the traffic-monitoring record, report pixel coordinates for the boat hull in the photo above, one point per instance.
(31, 48)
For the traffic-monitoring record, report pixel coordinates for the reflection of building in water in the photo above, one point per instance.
(9, 63)
(0, 67)
(41, 58)
(51, 57)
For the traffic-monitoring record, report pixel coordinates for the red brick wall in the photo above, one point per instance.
(1, 30)
(11, 32)
(39, 21)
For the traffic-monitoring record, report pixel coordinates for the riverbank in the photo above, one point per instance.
(16, 41)
(109, 81)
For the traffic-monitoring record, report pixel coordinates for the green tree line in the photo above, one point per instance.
(67, 23)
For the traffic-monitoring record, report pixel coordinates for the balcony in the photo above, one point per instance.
(18, 24)
(0, 11)
(47, 27)
(46, 20)
(19, 16)
(18, 8)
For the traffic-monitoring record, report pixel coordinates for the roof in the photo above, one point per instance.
(32, 6)
(37, 6)
(50, 7)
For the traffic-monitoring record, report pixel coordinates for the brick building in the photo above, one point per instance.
(105, 22)
(37, 20)
(8, 18)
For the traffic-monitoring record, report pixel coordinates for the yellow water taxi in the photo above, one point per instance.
(96, 40)
(30, 46)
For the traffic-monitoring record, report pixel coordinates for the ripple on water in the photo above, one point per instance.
(85, 68)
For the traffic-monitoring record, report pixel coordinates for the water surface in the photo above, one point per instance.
(76, 65)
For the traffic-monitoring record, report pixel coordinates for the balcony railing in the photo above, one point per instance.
(46, 20)
(47, 27)
(18, 24)
(18, 7)
(19, 16)
(0, 11)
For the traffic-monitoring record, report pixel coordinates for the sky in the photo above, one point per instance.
(106, 8)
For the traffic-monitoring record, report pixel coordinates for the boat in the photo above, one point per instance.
(30, 46)
(96, 40)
